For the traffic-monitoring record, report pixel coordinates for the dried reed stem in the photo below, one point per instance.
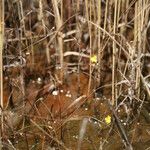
(99, 42)
(59, 23)
(88, 17)
(114, 54)
(1, 61)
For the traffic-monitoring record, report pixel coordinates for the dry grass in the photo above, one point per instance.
(42, 36)
(1, 66)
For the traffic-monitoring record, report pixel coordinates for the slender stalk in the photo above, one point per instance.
(88, 17)
(59, 23)
(99, 41)
(1, 48)
(114, 54)
(105, 17)
(1, 60)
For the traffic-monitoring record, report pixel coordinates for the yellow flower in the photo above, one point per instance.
(93, 59)
(108, 119)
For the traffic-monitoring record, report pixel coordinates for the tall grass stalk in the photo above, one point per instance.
(114, 53)
(59, 23)
(99, 42)
(1, 60)
(105, 17)
(88, 14)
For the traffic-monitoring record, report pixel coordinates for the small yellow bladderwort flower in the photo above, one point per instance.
(93, 59)
(108, 119)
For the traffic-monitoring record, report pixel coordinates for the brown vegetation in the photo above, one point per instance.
(68, 66)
